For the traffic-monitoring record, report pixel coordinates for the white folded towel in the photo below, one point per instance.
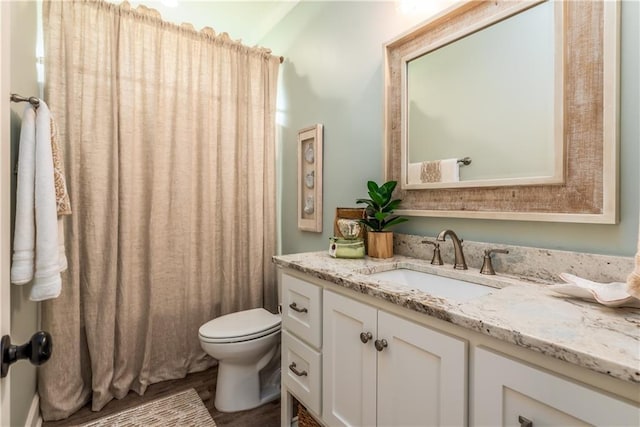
(446, 170)
(450, 170)
(413, 173)
(25, 231)
(37, 226)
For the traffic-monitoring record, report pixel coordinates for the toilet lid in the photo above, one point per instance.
(242, 325)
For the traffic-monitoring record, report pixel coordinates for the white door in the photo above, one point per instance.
(511, 393)
(5, 188)
(349, 365)
(422, 377)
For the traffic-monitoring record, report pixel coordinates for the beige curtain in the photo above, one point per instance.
(168, 137)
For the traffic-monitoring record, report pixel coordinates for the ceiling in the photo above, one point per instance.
(249, 21)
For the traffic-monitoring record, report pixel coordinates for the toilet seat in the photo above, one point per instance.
(241, 326)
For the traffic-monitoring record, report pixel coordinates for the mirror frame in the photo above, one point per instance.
(589, 193)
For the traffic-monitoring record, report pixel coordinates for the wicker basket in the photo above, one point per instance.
(305, 419)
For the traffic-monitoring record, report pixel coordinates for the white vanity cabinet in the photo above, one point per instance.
(379, 369)
(507, 392)
(353, 360)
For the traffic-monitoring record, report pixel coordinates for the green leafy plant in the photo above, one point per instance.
(380, 207)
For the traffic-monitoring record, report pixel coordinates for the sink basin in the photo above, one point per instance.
(432, 284)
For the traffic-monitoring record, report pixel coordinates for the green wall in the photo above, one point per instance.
(333, 74)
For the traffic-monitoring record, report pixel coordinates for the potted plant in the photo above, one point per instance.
(380, 217)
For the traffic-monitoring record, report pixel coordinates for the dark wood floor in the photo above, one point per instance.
(204, 383)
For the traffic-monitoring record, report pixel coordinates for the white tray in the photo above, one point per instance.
(609, 294)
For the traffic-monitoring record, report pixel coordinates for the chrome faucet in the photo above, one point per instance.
(459, 263)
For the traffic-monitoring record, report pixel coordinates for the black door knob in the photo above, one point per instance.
(38, 350)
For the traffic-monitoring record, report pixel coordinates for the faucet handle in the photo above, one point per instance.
(487, 267)
(436, 259)
(495, 251)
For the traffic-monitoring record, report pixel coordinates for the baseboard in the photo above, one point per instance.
(33, 417)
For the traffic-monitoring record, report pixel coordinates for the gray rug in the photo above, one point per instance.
(181, 409)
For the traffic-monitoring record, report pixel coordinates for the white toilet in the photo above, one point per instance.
(244, 343)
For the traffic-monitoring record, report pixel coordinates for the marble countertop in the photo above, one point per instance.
(520, 311)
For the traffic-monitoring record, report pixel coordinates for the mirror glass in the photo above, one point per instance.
(494, 96)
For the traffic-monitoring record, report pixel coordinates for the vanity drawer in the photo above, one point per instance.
(506, 389)
(301, 371)
(302, 309)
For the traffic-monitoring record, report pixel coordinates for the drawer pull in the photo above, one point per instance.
(365, 337)
(293, 306)
(381, 344)
(292, 368)
(524, 422)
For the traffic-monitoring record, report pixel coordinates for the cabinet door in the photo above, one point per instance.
(349, 365)
(511, 393)
(422, 375)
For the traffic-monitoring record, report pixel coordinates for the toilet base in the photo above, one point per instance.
(238, 387)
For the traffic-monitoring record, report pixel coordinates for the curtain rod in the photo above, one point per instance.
(31, 100)
(36, 102)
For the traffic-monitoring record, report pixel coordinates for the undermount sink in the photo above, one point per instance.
(432, 284)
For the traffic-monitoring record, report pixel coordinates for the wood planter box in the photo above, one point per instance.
(380, 244)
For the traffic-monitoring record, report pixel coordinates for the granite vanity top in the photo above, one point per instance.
(520, 311)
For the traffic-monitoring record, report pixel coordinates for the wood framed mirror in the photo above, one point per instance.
(582, 185)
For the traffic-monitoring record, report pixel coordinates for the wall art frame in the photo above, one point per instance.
(310, 149)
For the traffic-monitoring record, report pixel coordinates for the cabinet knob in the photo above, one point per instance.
(292, 368)
(381, 344)
(293, 306)
(365, 337)
(524, 422)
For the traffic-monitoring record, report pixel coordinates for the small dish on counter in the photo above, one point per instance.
(608, 294)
